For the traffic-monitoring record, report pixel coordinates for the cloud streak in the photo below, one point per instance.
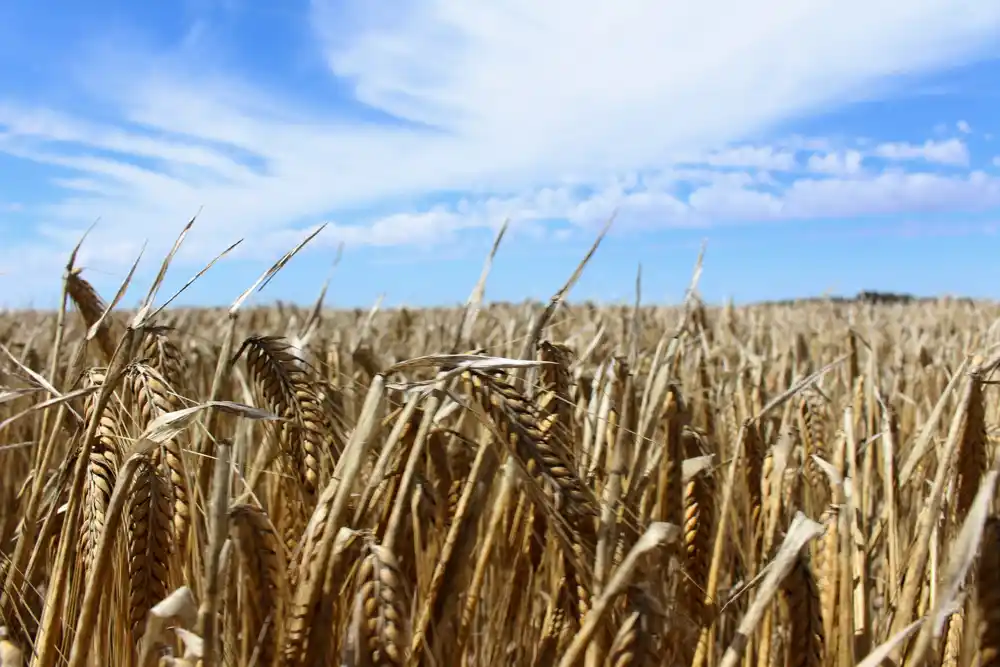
(952, 152)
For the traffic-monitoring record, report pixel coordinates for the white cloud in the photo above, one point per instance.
(963, 127)
(889, 193)
(738, 198)
(480, 67)
(759, 157)
(950, 152)
(837, 163)
(535, 108)
(810, 198)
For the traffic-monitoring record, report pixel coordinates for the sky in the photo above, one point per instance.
(817, 146)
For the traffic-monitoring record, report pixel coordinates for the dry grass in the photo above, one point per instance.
(795, 485)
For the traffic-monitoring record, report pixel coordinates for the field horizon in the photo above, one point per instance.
(873, 297)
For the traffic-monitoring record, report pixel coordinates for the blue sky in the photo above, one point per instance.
(824, 146)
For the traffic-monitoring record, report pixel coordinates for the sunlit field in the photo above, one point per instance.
(796, 484)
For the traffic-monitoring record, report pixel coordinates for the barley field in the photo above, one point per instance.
(543, 484)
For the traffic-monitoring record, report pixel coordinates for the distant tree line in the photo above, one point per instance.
(864, 296)
(867, 296)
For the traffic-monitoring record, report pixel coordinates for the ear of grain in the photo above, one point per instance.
(149, 544)
(385, 608)
(671, 491)
(988, 592)
(813, 433)
(91, 307)
(627, 649)
(699, 530)
(517, 416)
(972, 451)
(153, 398)
(105, 457)
(282, 386)
(263, 561)
(806, 636)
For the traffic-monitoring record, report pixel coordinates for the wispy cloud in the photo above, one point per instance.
(838, 162)
(454, 115)
(951, 152)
